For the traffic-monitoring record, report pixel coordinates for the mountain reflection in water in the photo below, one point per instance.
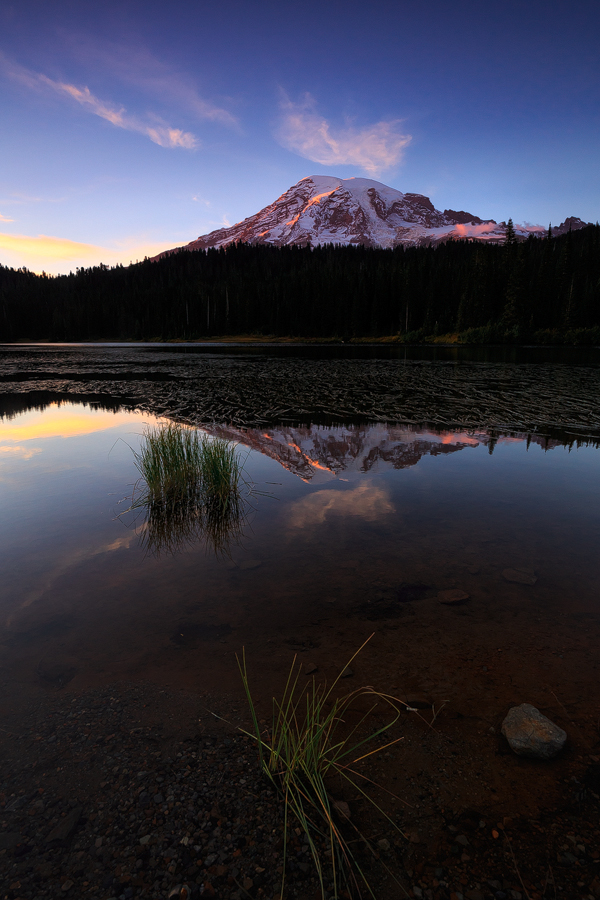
(318, 453)
(356, 511)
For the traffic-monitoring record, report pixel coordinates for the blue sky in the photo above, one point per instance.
(129, 127)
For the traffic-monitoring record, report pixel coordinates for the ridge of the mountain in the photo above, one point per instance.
(323, 209)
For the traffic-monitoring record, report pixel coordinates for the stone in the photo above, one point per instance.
(452, 596)
(519, 576)
(417, 701)
(310, 668)
(342, 808)
(9, 839)
(347, 673)
(530, 733)
(383, 844)
(66, 827)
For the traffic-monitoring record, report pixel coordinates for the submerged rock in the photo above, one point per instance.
(519, 576)
(452, 596)
(530, 733)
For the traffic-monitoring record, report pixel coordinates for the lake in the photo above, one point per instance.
(440, 506)
(380, 477)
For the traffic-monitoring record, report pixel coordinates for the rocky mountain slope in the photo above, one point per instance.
(322, 209)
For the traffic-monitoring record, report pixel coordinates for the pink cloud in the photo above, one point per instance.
(158, 131)
(470, 230)
(138, 67)
(374, 148)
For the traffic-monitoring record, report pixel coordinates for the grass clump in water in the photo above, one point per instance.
(190, 486)
(307, 744)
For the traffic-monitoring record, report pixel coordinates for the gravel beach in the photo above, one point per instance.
(135, 791)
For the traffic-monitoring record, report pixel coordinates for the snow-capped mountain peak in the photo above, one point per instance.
(323, 209)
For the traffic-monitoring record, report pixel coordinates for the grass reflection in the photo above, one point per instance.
(190, 488)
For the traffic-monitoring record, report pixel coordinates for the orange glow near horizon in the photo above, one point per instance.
(56, 255)
(59, 421)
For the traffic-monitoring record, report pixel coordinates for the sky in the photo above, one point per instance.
(130, 127)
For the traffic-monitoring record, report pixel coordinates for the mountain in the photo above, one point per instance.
(322, 209)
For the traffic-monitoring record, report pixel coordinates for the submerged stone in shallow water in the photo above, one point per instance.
(519, 576)
(530, 733)
(452, 596)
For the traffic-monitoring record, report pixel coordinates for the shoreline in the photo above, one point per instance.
(123, 791)
(444, 341)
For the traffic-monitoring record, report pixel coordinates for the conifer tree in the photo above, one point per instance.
(511, 237)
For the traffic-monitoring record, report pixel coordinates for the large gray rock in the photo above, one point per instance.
(530, 733)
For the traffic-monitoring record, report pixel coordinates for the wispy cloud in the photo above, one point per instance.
(374, 148)
(20, 452)
(136, 66)
(5, 218)
(153, 127)
(17, 198)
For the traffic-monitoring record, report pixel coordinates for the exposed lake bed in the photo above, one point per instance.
(382, 483)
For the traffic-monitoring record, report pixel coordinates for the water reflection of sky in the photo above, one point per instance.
(352, 510)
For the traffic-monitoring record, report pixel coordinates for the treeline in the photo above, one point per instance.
(545, 290)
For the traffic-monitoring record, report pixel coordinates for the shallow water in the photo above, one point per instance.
(343, 517)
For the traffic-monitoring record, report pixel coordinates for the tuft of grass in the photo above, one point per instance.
(306, 745)
(189, 486)
(178, 463)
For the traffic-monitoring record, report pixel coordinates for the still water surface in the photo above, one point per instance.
(343, 518)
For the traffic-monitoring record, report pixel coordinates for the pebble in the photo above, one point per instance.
(216, 830)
